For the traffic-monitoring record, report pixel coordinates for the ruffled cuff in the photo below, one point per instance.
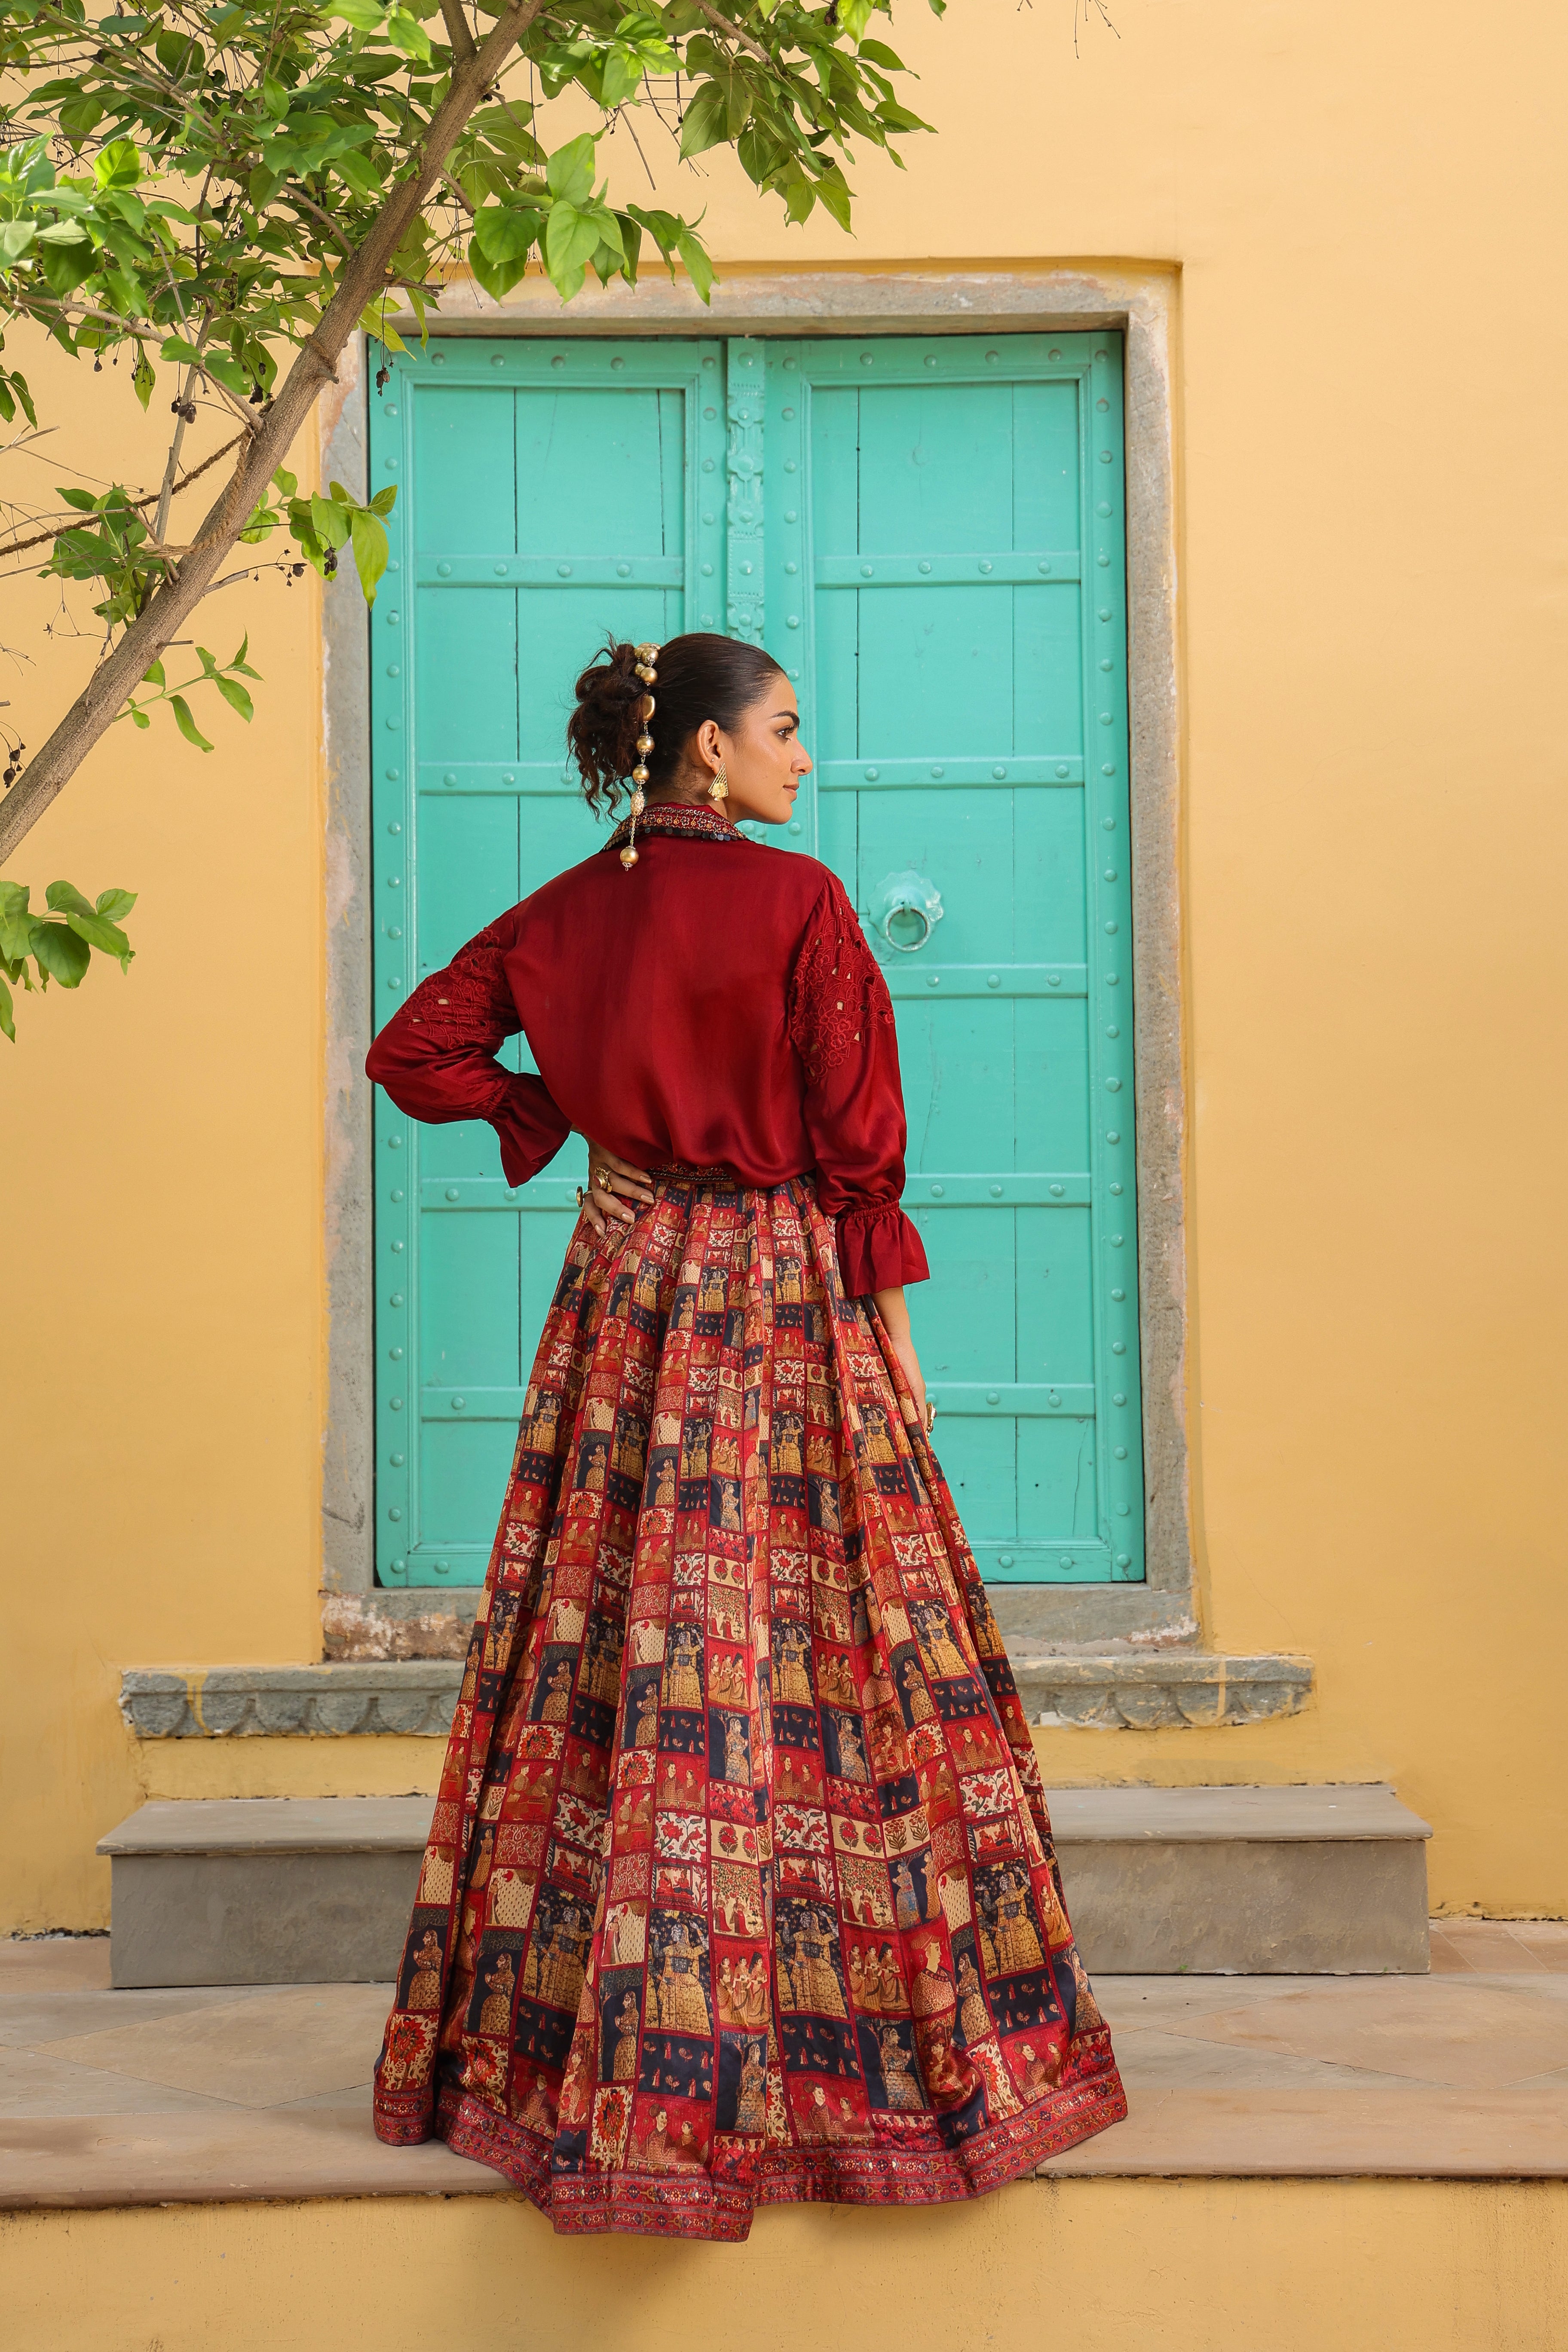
(530, 1128)
(877, 1250)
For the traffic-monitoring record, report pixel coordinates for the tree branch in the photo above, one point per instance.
(362, 279)
(736, 32)
(458, 31)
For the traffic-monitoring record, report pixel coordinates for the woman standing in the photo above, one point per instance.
(736, 1709)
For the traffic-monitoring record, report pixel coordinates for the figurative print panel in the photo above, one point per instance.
(739, 1884)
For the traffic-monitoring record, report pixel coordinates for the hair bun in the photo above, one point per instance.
(603, 731)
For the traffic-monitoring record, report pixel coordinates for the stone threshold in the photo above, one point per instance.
(1120, 1690)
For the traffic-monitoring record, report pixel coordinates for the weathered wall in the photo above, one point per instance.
(1364, 210)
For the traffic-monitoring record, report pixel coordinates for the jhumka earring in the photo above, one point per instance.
(719, 790)
(646, 657)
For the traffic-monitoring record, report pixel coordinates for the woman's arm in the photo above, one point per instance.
(894, 1314)
(841, 1026)
(437, 1056)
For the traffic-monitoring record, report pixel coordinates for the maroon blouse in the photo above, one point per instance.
(717, 1006)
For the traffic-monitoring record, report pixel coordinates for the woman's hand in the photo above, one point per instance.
(894, 1314)
(612, 1197)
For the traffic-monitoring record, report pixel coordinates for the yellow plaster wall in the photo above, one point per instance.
(1366, 213)
(1109, 2265)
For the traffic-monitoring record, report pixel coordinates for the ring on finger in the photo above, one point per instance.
(604, 1179)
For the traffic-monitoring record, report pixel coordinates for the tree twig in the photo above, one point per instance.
(736, 32)
(139, 506)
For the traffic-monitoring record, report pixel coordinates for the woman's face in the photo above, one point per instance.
(764, 759)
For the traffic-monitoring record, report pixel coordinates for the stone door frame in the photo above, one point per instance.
(361, 1619)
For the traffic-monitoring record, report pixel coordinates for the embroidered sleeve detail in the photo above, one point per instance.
(839, 997)
(470, 1003)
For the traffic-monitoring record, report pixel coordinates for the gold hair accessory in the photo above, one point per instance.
(646, 657)
(719, 790)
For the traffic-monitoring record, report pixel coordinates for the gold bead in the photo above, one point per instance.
(629, 858)
(648, 707)
(645, 744)
(639, 775)
(638, 803)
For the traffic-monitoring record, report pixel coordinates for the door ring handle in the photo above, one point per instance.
(901, 898)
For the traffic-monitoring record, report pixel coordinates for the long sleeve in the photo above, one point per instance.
(841, 1026)
(437, 1057)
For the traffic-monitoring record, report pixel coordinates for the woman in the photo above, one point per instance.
(723, 1484)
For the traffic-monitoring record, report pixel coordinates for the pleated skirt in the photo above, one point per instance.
(740, 1886)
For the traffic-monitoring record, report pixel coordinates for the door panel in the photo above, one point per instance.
(903, 522)
(548, 495)
(947, 660)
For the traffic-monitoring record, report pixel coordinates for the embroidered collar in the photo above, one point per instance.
(678, 816)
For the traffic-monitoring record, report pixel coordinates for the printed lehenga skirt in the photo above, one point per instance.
(740, 1886)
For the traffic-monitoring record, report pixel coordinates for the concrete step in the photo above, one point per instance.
(1298, 1881)
(1311, 1881)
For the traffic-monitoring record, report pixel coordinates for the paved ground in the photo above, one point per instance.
(116, 2098)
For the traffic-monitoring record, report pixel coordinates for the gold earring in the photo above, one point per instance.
(719, 790)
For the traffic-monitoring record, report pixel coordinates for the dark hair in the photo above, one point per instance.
(700, 675)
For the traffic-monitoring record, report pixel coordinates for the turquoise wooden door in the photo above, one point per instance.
(929, 537)
(945, 577)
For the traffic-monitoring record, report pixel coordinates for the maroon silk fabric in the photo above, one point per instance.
(717, 1005)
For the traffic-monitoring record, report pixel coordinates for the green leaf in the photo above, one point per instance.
(64, 898)
(569, 173)
(115, 905)
(139, 718)
(569, 240)
(285, 481)
(16, 923)
(706, 121)
(7, 1016)
(118, 165)
(228, 372)
(187, 724)
(359, 172)
(877, 54)
(384, 501)
(372, 324)
(154, 675)
(407, 34)
(235, 694)
(59, 951)
(16, 236)
(833, 192)
(106, 937)
(699, 268)
(144, 377)
(330, 521)
(370, 548)
(175, 347)
(273, 98)
(507, 232)
(239, 662)
(79, 117)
